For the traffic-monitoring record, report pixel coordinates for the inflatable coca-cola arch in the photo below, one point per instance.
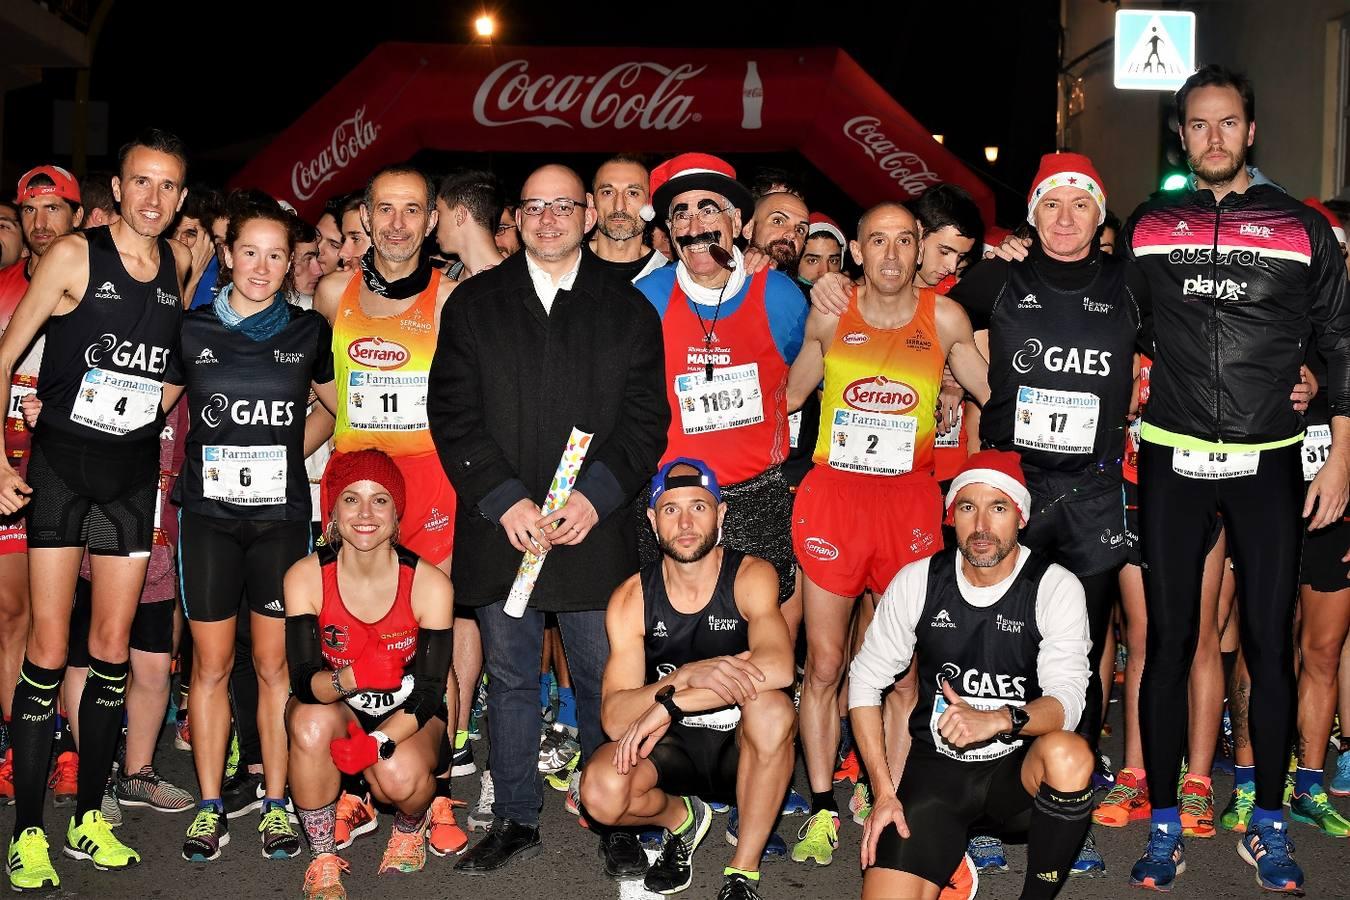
(404, 98)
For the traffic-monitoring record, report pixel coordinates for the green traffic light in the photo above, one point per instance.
(1176, 181)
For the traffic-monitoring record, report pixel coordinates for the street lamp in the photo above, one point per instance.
(991, 154)
(940, 138)
(484, 25)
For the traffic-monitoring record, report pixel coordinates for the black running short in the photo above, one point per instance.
(371, 723)
(758, 523)
(944, 799)
(102, 497)
(222, 560)
(1322, 569)
(1078, 519)
(701, 762)
(151, 629)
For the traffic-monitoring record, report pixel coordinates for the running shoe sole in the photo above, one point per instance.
(80, 854)
(1247, 858)
(463, 769)
(197, 857)
(164, 809)
(527, 853)
(355, 833)
(1148, 883)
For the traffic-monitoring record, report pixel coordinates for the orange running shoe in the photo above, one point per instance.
(1196, 805)
(964, 883)
(65, 780)
(848, 768)
(1126, 802)
(405, 852)
(444, 836)
(323, 878)
(355, 817)
(7, 778)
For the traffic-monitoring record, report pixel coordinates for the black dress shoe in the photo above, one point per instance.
(505, 842)
(623, 855)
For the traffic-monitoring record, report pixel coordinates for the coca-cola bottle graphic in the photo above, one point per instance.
(752, 97)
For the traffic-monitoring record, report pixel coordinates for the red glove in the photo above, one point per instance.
(355, 753)
(376, 670)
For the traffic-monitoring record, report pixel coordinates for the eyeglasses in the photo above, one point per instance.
(706, 214)
(563, 206)
(505, 227)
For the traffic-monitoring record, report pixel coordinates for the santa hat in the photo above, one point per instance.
(1336, 227)
(1000, 469)
(1066, 170)
(695, 172)
(819, 223)
(345, 469)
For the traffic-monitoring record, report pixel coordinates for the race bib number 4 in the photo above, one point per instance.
(1056, 421)
(731, 400)
(1316, 447)
(1213, 466)
(874, 443)
(383, 401)
(247, 476)
(115, 403)
(981, 753)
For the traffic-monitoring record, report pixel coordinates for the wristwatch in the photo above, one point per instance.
(666, 697)
(387, 744)
(1020, 717)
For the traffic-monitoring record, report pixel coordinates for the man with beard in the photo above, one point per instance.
(999, 635)
(507, 236)
(1238, 271)
(115, 295)
(694, 690)
(620, 192)
(729, 340)
(823, 251)
(779, 228)
(543, 343)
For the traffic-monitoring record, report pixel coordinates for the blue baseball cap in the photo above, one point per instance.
(663, 481)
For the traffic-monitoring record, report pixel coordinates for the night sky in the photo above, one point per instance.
(978, 72)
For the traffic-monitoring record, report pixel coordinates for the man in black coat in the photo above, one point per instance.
(545, 341)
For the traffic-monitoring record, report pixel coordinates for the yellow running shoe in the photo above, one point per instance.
(93, 839)
(818, 839)
(30, 865)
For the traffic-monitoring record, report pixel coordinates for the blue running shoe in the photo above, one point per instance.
(1089, 863)
(797, 805)
(987, 854)
(719, 808)
(1163, 860)
(1340, 782)
(776, 848)
(652, 838)
(1267, 847)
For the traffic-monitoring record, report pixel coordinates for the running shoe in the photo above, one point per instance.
(1195, 803)
(208, 832)
(817, 839)
(1316, 809)
(723, 808)
(572, 802)
(795, 804)
(674, 868)
(987, 854)
(279, 838)
(93, 839)
(444, 836)
(849, 768)
(461, 760)
(241, 794)
(964, 883)
(1240, 806)
(1090, 862)
(7, 778)
(774, 848)
(30, 865)
(1163, 860)
(406, 851)
(1126, 802)
(1340, 782)
(560, 779)
(182, 734)
(108, 805)
(1267, 847)
(1288, 787)
(1102, 776)
(323, 878)
(481, 817)
(355, 817)
(479, 710)
(737, 887)
(558, 749)
(860, 804)
(147, 788)
(65, 780)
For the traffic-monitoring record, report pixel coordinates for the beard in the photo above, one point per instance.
(784, 254)
(700, 550)
(620, 226)
(1220, 173)
(396, 253)
(991, 558)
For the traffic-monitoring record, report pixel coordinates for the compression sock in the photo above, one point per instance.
(100, 726)
(567, 707)
(318, 825)
(688, 817)
(1266, 816)
(30, 732)
(1307, 779)
(823, 800)
(407, 824)
(1059, 824)
(1166, 816)
(732, 870)
(1244, 775)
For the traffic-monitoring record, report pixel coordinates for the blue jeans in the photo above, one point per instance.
(511, 652)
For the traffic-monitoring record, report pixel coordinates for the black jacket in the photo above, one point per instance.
(1237, 287)
(508, 383)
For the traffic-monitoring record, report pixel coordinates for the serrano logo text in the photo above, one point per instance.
(880, 395)
(377, 353)
(821, 549)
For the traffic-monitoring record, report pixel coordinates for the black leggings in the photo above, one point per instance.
(1100, 591)
(1262, 515)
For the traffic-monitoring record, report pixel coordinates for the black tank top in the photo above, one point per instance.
(988, 654)
(245, 445)
(1061, 369)
(674, 638)
(103, 367)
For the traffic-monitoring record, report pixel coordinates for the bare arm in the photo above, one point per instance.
(809, 366)
(624, 697)
(169, 395)
(963, 356)
(329, 292)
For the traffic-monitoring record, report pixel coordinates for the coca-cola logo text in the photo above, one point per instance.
(906, 168)
(349, 138)
(611, 99)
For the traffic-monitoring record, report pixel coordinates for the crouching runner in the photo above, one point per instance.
(1001, 640)
(368, 640)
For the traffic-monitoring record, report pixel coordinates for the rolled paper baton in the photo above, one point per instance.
(559, 490)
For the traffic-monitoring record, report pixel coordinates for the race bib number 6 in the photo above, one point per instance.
(248, 476)
(115, 403)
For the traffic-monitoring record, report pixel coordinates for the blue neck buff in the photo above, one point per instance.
(261, 326)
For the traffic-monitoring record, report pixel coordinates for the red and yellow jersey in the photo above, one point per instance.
(382, 365)
(881, 390)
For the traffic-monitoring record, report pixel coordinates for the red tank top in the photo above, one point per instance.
(1130, 463)
(738, 422)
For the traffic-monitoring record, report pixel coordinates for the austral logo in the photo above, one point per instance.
(880, 395)
(377, 353)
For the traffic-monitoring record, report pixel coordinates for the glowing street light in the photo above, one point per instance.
(991, 154)
(484, 25)
(940, 138)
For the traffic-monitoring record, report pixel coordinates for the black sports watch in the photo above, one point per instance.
(666, 697)
(387, 745)
(1020, 717)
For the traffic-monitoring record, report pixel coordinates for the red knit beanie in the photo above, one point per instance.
(345, 469)
(1066, 170)
(1001, 469)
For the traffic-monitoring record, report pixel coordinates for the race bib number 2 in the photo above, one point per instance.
(874, 443)
(116, 403)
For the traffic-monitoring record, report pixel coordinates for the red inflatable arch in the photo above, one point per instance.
(406, 97)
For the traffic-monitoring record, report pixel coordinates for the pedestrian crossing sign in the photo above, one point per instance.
(1155, 49)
